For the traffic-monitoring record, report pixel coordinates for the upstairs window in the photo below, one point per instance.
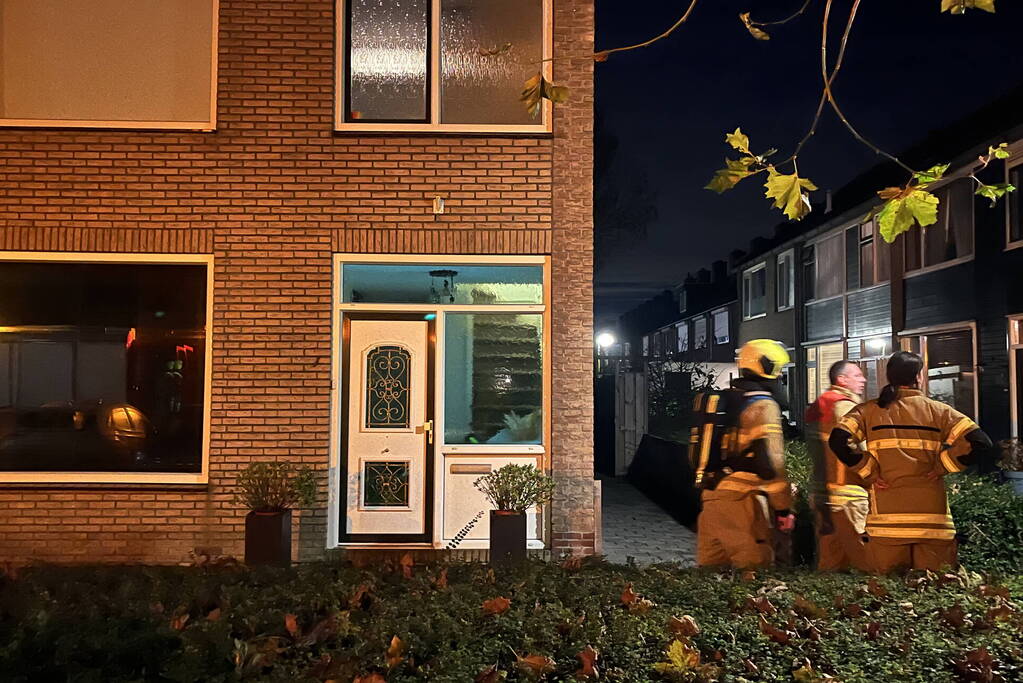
(1015, 217)
(784, 284)
(829, 267)
(700, 332)
(683, 337)
(456, 65)
(108, 63)
(682, 300)
(754, 292)
(721, 326)
(949, 239)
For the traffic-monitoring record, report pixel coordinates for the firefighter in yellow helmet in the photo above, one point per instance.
(748, 495)
(912, 442)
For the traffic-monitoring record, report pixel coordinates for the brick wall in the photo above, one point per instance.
(273, 193)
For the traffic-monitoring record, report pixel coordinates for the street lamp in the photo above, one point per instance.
(605, 340)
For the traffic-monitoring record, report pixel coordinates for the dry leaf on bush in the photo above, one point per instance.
(588, 664)
(178, 622)
(441, 582)
(406, 565)
(395, 653)
(291, 623)
(535, 665)
(496, 606)
(490, 675)
(214, 615)
(370, 678)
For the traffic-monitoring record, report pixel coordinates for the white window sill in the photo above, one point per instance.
(753, 317)
(939, 266)
(428, 128)
(144, 478)
(1014, 245)
(200, 126)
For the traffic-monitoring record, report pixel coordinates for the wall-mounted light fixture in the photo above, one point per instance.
(438, 205)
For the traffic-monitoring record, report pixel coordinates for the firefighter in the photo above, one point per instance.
(840, 497)
(911, 443)
(743, 504)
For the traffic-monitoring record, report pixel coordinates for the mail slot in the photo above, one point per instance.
(470, 469)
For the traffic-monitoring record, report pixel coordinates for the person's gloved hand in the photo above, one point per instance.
(785, 522)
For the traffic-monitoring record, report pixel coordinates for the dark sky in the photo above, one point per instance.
(908, 69)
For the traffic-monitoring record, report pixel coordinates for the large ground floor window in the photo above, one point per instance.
(103, 367)
(819, 360)
(950, 365)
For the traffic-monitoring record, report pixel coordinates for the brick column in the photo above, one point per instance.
(572, 281)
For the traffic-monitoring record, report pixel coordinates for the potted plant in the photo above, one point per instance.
(270, 490)
(512, 490)
(1011, 463)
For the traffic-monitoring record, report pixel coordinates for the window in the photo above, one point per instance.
(646, 346)
(683, 337)
(103, 369)
(754, 292)
(819, 360)
(829, 267)
(720, 326)
(700, 332)
(950, 374)
(785, 294)
(1014, 205)
(440, 64)
(809, 273)
(109, 63)
(951, 237)
(682, 300)
(493, 378)
(441, 284)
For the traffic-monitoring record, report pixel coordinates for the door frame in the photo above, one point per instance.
(1015, 339)
(341, 499)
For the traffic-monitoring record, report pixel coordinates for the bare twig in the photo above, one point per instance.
(782, 21)
(604, 53)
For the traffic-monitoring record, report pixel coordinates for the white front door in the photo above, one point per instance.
(387, 430)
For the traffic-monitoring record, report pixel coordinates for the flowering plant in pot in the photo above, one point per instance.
(1011, 463)
(270, 490)
(512, 490)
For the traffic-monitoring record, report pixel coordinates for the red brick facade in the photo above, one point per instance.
(273, 193)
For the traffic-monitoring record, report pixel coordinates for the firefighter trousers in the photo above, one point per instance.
(844, 547)
(888, 555)
(734, 531)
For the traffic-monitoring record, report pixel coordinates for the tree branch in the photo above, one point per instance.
(603, 54)
(782, 21)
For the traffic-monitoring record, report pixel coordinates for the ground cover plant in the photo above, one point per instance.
(557, 622)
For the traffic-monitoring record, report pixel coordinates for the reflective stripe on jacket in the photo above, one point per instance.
(832, 478)
(911, 445)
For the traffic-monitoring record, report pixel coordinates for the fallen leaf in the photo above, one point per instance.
(496, 606)
(990, 591)
(808, 609)
(178, 622)
(588, 664)
(406, 565)
(751, 668)
(876, 589)
(291, 624)
(873, 630)
(535, 665)
(773, 632)
(441, 582)
(323, 630)
(360, 599)
(685, 627)
(954, 616)
(490, 675)
(370, 678)
(629, 596)
(572, 563)
(395, 654)
(641, 606)
(214, 615)
(761, 604)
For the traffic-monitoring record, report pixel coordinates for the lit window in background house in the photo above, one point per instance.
(683, 337)
(754, 291)
(700, 332)
(721, 327)
(951, 376)
(785, 294)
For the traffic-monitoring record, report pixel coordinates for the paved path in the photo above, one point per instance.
(634, 526)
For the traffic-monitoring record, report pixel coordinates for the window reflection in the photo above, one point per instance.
(102, 367)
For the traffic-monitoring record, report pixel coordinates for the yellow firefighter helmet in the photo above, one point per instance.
(763, 358)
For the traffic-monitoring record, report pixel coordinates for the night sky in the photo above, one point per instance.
(908, 69)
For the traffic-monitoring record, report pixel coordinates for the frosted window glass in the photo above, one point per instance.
(387, 60)
(477, 87)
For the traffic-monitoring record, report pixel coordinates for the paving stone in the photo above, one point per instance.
(634, 526)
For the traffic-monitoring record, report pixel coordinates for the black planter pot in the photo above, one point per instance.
(507, 538)
(268, 538)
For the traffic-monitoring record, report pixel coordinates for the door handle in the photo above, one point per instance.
(426, 428)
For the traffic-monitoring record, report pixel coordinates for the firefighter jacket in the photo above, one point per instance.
(759, 432)
(910, 445)
(834, 483)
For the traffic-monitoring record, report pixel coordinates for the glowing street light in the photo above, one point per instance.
(605, 340)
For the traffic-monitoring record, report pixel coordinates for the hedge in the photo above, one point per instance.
(398, 622)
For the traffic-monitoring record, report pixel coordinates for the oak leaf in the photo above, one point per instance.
(535, 666)
(904, 208)
(787, 191)
(496, 606)
(588, 664)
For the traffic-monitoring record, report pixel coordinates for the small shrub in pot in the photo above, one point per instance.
(270, 490)
(512, 490)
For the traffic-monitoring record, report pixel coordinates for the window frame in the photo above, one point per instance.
(697, 345)
(714, 326)
(747, 276)
(922, 270)
(679, 337)
(790, 295)
(155, 478)
(209, 126)
(433, 94)
(1011, 164)
(924, 332)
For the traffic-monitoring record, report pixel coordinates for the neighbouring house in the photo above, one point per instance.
(952, 292)
(321, 231)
